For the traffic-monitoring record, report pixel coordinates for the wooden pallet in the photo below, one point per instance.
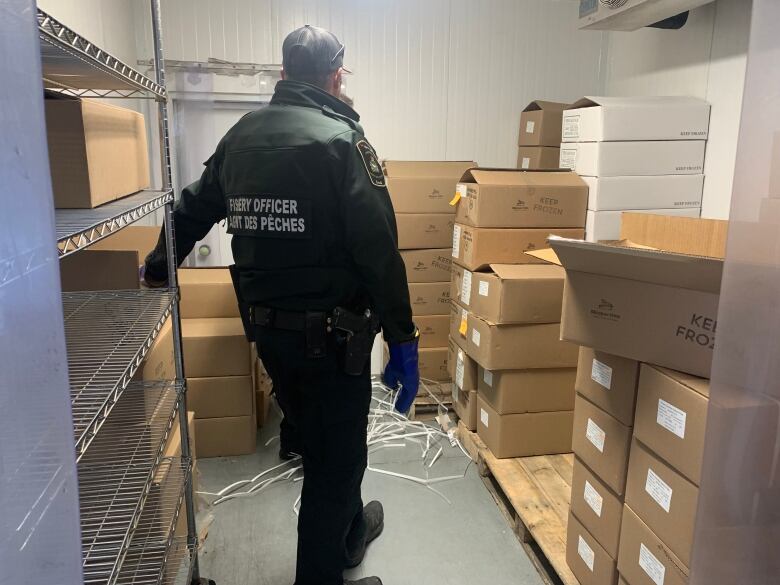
(534, 494)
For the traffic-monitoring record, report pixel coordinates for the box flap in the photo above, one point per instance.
(546, 254)
(417, 169)
(644, 265)
(636, 102)
(685, 235)
(527, 271)
(695, 383)
(512, 177)
(545, 105)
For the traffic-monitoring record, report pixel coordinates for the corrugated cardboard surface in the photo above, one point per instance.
(587, 559)
(462, 369)
(224, 437)
(426, 168)
(643, 558)
(159, 363)
(618, 159)
(215, 347)
(641, 304)
(430, 298)
(517, 347)
(609, 382)
(653, 487)
(220, 396)
(602, 443)
(540, 123)
(465, 405)
(520, 391)
(424, 230)
(516, 198)
(429, 194)
(433, 363)
(598, 508)
(595, 118)
(477, 248)
(648, 192)
(97, 152)
(434, 329)
(538, 157)
(605, 225)
(427, 265)
(697, 237)
(207, 293)
(523, 435)
(511, 293)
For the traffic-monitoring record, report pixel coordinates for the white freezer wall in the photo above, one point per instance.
(434, 79)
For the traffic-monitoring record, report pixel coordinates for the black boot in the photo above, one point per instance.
(374, 517)
(365, 581)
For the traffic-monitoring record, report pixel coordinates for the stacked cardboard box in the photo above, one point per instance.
(540, 135)
(421, 193)
(218, 364)
(641, 154)
(655, 306)
(506, 309)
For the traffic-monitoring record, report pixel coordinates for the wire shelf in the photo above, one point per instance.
(80, 228)
(75, 66)
(122, 479)
(157, 563)
(107, 334)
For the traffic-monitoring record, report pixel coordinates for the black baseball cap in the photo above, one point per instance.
(312, 51)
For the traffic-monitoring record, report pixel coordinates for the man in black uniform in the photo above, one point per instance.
(317, 264)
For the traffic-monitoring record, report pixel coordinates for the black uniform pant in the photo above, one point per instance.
(329, 411)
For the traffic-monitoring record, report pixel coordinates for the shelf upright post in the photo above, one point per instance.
(165, 162)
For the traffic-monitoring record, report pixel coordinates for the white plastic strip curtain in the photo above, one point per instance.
(387, 429)
(737, 538)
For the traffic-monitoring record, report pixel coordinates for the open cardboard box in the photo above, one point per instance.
(652, 296)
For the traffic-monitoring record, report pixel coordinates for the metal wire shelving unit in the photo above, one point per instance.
(136, 500)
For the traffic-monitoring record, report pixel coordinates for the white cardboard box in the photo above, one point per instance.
(615, 159)
(651, 192)
(592, 119)
(605, 225)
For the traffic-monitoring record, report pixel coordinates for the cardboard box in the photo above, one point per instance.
(511, 293)
(540, 123)
(462, 369)
(523, 435)
(424, 230)
(215, 347)
(159, 363)
(598, 508)
(220, 396)
(593, 119)
(587, 559)
(615, 159)
(518, 347)
(423, 186)
(427, 265)
(520, 391)
(644, 559)
(430, 298)
(502, 198)
(603, 443)
(478, 248)
(538, 157)
(262, 407)
(227, 436)
(609, 382)
(263, 388)
(111, 263)
(651, 192)
(465, 405)
(433, 363)
(605, 225)
(697, 237)
(647, 305)
(207, 293)
(663, 499)
(434, 329)
(97, 152)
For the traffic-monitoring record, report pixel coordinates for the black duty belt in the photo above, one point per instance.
(287, 320)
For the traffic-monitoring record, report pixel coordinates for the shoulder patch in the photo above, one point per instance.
(373, 168)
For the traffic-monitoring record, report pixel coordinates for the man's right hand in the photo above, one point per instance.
(403, 368)
(149, 282)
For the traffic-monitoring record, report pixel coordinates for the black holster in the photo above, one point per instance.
(243, 307)
(361, 331)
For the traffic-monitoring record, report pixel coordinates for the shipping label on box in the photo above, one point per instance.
(462, 368)
(644, 192)
(427, 265)
(616, 159)
(424, 230)
(430, 298)
(598, 508)
(517, 198)
(609, 382)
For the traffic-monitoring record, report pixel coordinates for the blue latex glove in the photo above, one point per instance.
(403, 368)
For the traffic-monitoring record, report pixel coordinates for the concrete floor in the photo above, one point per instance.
(426, 540)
